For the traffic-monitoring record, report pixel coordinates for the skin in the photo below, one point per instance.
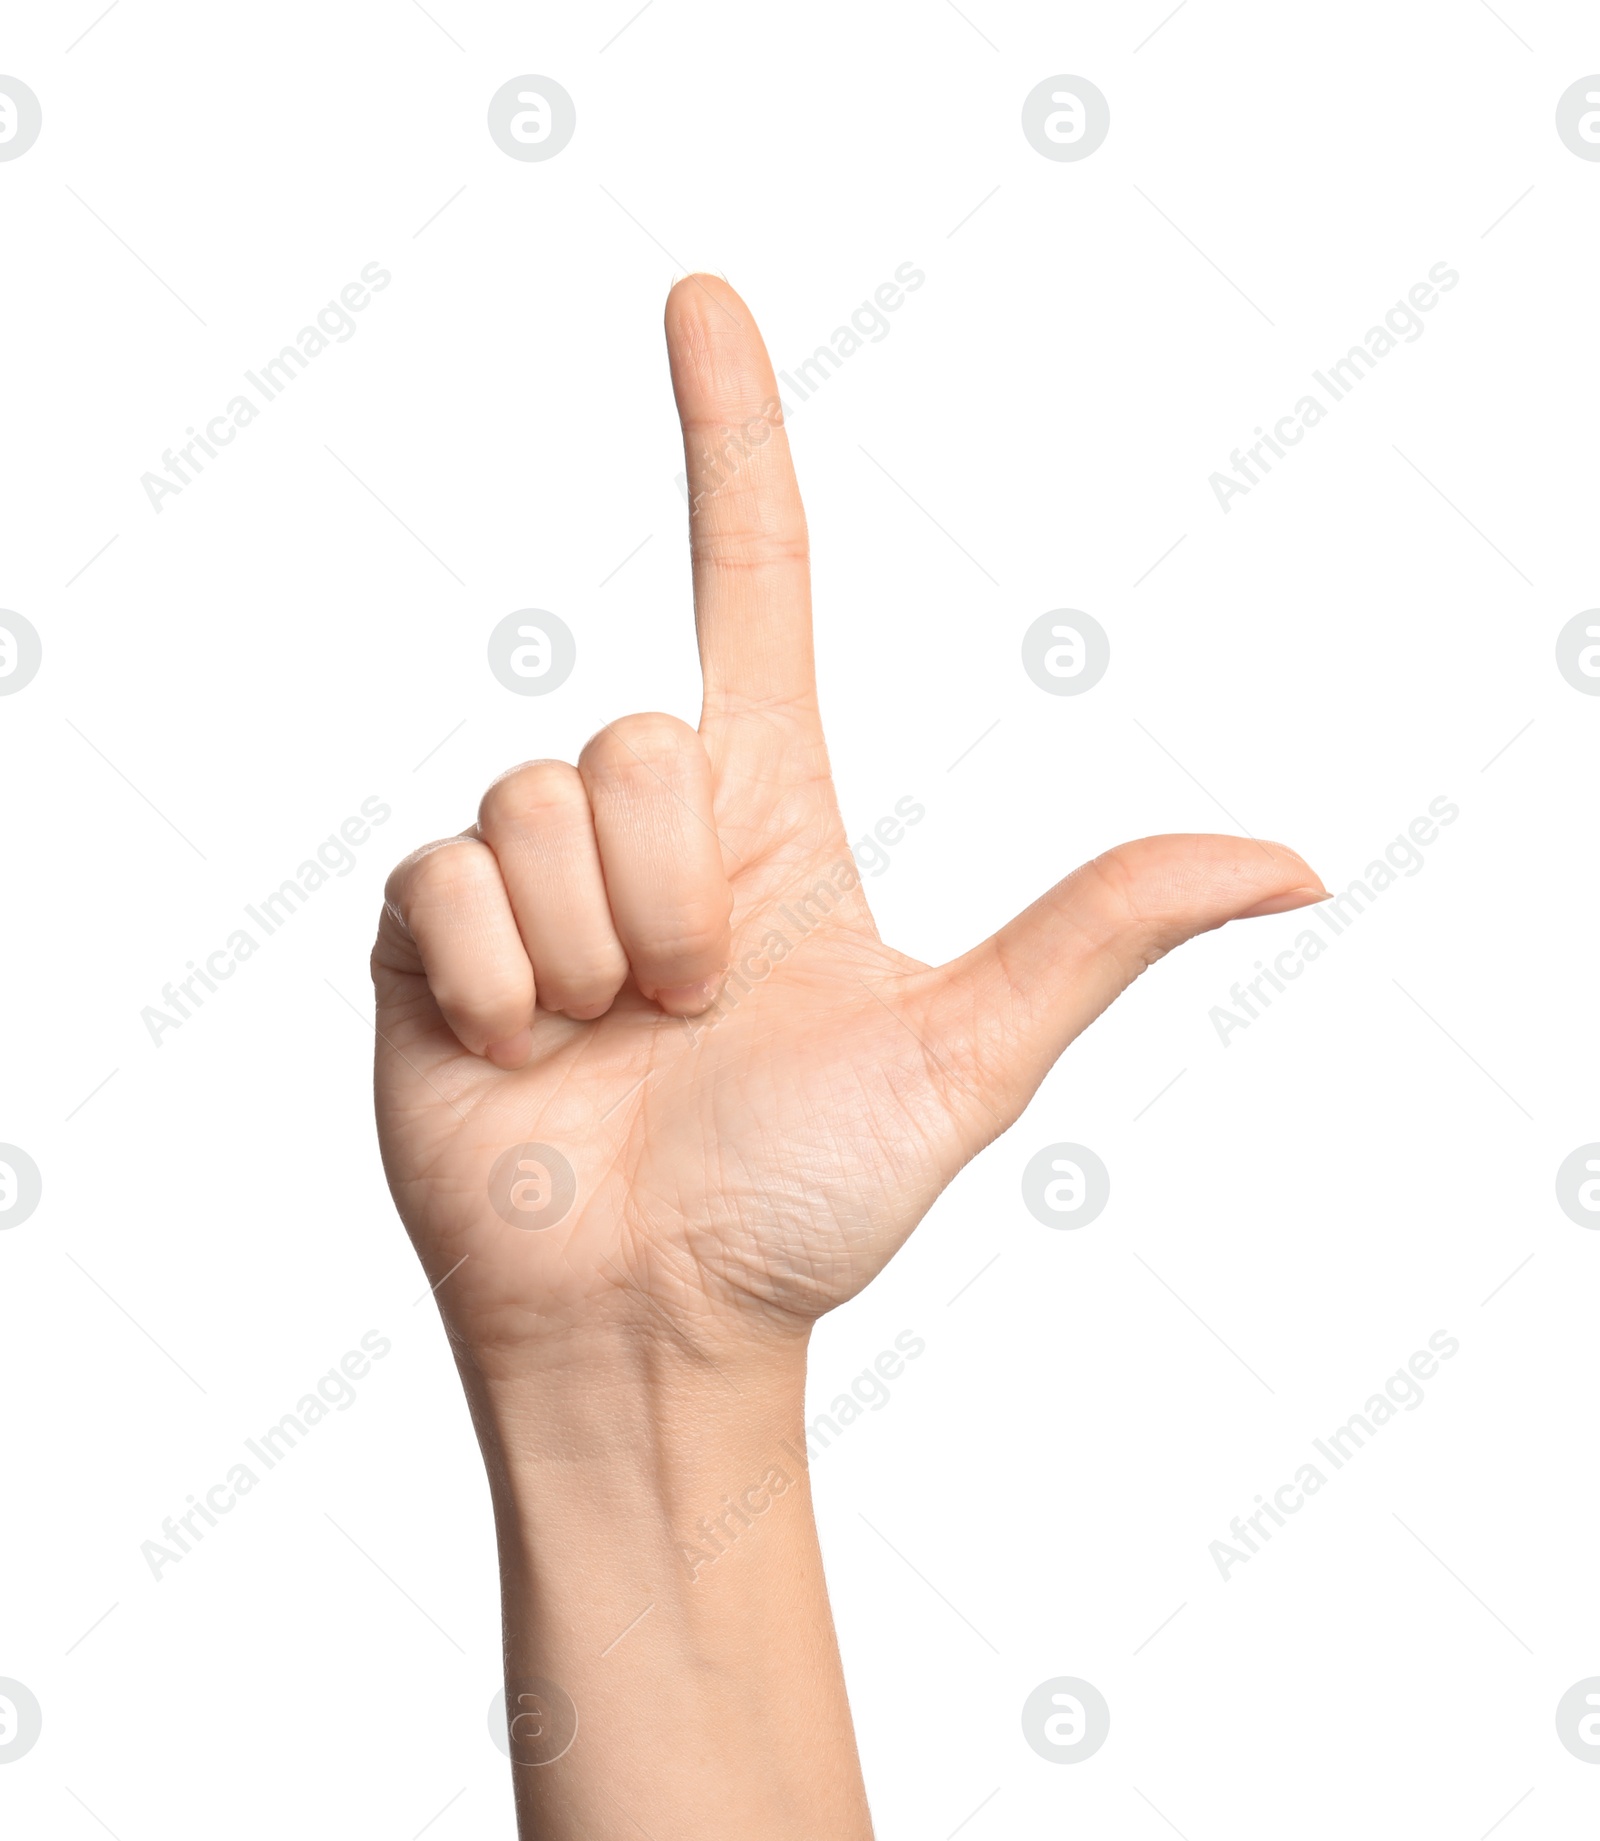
(740, 1164)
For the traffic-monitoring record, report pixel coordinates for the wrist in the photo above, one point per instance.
(666, 1407)
(661, 1574)
(639, 1461)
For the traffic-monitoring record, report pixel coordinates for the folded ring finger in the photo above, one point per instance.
(536, 820)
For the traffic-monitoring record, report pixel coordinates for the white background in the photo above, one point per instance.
(1288, 1222)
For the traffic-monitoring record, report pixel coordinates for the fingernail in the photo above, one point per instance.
(513, 1052)
(1282, 904)
(689, 999)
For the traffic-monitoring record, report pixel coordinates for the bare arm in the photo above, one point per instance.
(671, 1665)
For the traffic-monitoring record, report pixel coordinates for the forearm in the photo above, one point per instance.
(662, 1586)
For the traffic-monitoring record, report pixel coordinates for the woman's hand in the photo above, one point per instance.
(738, 1164)
(653, 1096)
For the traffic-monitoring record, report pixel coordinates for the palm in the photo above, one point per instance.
(758, 1165)
(755, 1160)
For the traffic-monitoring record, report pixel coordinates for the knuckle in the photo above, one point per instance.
(492, 998)
(495, 1010)
(446, 874)
(1116, 881)
(1134, 908)
(737, 547)
(646, 742)
(394, 889)
(528, 794)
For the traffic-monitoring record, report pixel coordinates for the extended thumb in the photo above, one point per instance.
(1045, 976)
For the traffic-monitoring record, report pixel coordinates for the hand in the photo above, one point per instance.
(652, 982)
(746, 1161)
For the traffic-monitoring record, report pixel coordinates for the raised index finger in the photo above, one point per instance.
(747, 530)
